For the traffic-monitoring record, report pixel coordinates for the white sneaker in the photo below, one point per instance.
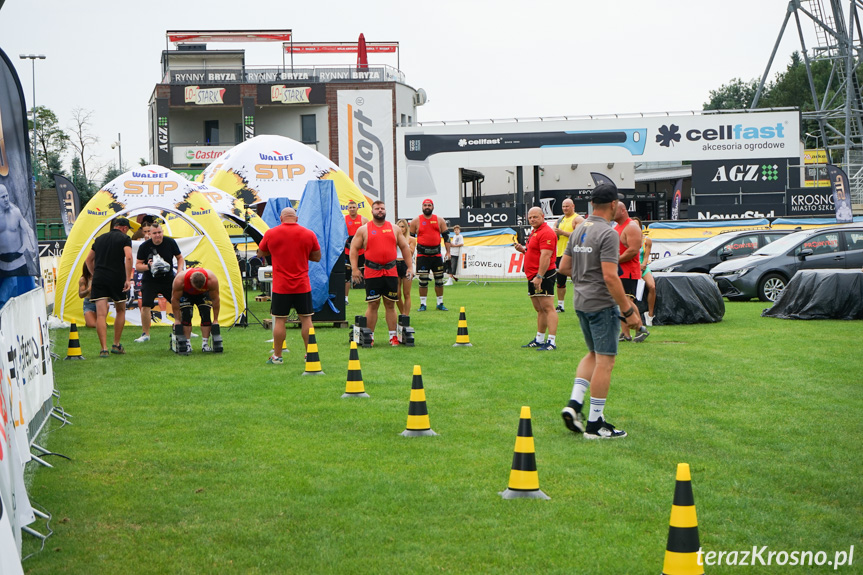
(195, 335)
(648, 319)
(144, 337)
(205, 347)
(449, 282)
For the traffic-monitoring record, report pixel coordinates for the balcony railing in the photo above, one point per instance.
(269, 74)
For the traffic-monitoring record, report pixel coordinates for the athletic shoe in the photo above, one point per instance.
(205, 347)
(422, 307)
(448, 282)
(547, 346)
(641, 336)
(144, 337)
(155, 316)
(648, 319)
(275, 360)
(118, 349)
(440, 307)
(601, 429)
(194, 335)
(394, 340)
(533, 343)
(573, 420)
(559, 309)
(624, 337)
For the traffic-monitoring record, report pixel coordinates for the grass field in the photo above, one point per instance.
(220, 463)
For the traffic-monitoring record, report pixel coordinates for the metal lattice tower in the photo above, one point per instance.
(839, 108)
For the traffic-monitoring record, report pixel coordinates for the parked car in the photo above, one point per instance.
(704, 255)
(766, 272)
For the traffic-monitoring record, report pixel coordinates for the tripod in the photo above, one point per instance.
(243, 321)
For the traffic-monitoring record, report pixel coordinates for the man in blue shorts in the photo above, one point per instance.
(591, 258)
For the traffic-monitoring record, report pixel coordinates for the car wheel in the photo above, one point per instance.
(770, 287)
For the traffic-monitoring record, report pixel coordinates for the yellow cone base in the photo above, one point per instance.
(317, 372)
(517, 494)
(462, 344)
(361, 394)
(417, 432)
(74, 357)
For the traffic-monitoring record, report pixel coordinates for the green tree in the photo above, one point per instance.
(50, 145)
(736, 95)
(113, 172)
(84, 186)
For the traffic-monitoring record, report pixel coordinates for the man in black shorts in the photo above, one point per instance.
(110, 262)
(196, 287)
(154, 260)
(353, 221)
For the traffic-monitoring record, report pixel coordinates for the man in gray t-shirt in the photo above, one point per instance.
(591, 256)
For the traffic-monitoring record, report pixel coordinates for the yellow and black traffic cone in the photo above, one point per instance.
(462, 339)
(74, 351)
(354, 386)
(523, 478)
(418, 414)
(681, 552)
(313, 362)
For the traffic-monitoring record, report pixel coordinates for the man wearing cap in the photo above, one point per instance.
(110, 263)
(353, 221)
(429, 230)
(592, 256)
(541, 271)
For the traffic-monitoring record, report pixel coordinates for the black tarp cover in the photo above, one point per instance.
(684, 298)
(820, 294)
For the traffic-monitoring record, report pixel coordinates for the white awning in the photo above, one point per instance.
(665, 174)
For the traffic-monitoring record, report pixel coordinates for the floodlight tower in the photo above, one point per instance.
(838, 109)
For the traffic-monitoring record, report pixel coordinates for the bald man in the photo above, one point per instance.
(541, 271)
(290, 247)
(563, 229)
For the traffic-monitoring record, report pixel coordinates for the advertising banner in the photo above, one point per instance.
(163, 157)
(675, 201)
(430, 156)
(710, 209)
(809, 202)
(70, 201)
(815, 169)
(487, 217)
(197, 154)
(841, 194)
(365, 142)
(17, 200)
(500, 262)
(722, 177)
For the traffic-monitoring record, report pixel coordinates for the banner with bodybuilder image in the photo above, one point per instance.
(18, 248)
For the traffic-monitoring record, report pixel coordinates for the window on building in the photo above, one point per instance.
(211, 132)
(404, 120)
(238, 133)
(309, 127)
(410, 120)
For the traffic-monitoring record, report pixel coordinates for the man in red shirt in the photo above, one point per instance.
(291, 248)
(196, 287)
(354, 221)
(540, 269)
(630, 268)
(429, 229)
(379, 239)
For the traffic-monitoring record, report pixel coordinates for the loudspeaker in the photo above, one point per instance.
(337, 291)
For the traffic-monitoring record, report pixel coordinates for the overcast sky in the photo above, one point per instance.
(476, 59)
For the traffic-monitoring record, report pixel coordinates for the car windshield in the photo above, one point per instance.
(781, 245)
(707, 246)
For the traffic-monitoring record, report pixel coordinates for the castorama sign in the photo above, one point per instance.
(429, 156)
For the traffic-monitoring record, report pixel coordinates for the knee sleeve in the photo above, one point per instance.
(186, 316)
(423, 278)
(205, 316)
(438, 277)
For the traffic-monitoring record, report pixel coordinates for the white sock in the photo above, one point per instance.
(422, 300)
(540, 337)
(440, 300)
(551, 339)
(596, 407)
(392, 334)
(346, 299)
(560, 303)
(579, 389)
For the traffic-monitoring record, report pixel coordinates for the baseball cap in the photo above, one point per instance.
(121, 222)
(605, 194)
(428, 201)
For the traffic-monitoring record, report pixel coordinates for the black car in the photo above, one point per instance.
(704, 255)
(765, 273)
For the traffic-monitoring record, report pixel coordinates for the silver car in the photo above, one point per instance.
(767, 271)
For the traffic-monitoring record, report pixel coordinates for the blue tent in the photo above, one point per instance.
(320, 211)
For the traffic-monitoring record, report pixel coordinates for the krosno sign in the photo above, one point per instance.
(198, 154)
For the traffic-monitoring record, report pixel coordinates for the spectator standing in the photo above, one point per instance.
(353, 221)
(591, 258)
(110, 262)
(85, 284)
(646, 274)
(540, 269)
(290, 248)
(405, 282)
(154, 262)
(563, 229)
(456, 244)
(630, 270)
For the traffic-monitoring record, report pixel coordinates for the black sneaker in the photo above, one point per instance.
(559, 309)
(642, 335)
(533, 343)
(573, 420)
(601, 429)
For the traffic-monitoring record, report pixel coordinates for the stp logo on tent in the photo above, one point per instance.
(278, 171)
(148, 188)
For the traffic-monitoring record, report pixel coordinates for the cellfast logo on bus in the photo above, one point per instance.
(727, 136)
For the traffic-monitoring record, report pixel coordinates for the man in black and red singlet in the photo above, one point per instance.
(196, 287)
(629, 266)
(429, 229)
(354, 221)
(379, 239)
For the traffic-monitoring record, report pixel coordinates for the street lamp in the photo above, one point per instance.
(33, 58)
(119, 147)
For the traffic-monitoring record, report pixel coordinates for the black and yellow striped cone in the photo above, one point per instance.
(354, 386)
(462, 339)
(74, 351)
(418, 415)
(523, 478)
(313, 362)
(681, 552)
